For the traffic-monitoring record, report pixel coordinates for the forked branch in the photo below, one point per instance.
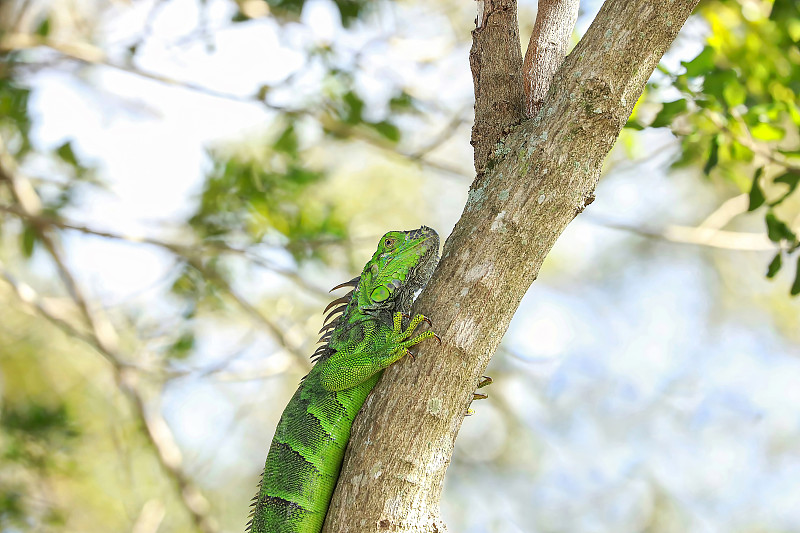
(527, 191)
(547, 48)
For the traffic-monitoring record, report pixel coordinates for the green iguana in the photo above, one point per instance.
(306, 454)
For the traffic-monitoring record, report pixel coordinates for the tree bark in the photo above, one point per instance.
(496, 63)
(537, 180)
(555, 21)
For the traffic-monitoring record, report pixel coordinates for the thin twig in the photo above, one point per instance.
(251, 310)
(444, 135)
(177, 249)
(750, 143)
(727, 211)
(27, 295)
(700, 236)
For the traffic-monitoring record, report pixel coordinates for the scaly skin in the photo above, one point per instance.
(306, 454)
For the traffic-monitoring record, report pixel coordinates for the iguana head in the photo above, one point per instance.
(402, 264)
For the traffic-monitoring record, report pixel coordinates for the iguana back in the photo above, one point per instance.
(361, 337)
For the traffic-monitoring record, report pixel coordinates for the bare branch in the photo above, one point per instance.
(496, 63)
(444, 135)
(555, 21)
(92, 55)
(150, 517)
(727, 211)
(189, 254)
(28, 296)
(696, 235)
(157, 431)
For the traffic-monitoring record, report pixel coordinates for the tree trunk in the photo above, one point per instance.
(537, 179)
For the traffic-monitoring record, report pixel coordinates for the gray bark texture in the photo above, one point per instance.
(536, 180)
(555, 21)
(496, 63)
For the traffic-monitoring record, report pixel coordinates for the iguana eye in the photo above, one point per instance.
(379, 294)
(389, 242)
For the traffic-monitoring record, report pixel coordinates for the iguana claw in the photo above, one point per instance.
(484, 381)
(424, 319)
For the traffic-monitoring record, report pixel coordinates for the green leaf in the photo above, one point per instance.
(287, 142)
(354, 107)
(182, 346)
(774, 266)
(239, 16)
(757, 197)
(734, 94)
(14, 118)
(791, 178)
(794, 111)
(701, 64)
(783, 9)
(777, 230)
(716, 81)
(263, 91)
(669, 110)
(403, 102)
(740, 152)
(11, 502)
(66, 154)
(28, 240)
(38, 421)
(767, 132)
(387, 130)
(633, 125)
(713, 155)
(43, 29)
(795, 290)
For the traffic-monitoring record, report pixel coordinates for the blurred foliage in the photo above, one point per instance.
(738, 116)
(15, 123)
(248, 197)
(289, 10)
(34, 440)
(15, 140)
(72, 455)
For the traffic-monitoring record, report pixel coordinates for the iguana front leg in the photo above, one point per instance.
(379, 348)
